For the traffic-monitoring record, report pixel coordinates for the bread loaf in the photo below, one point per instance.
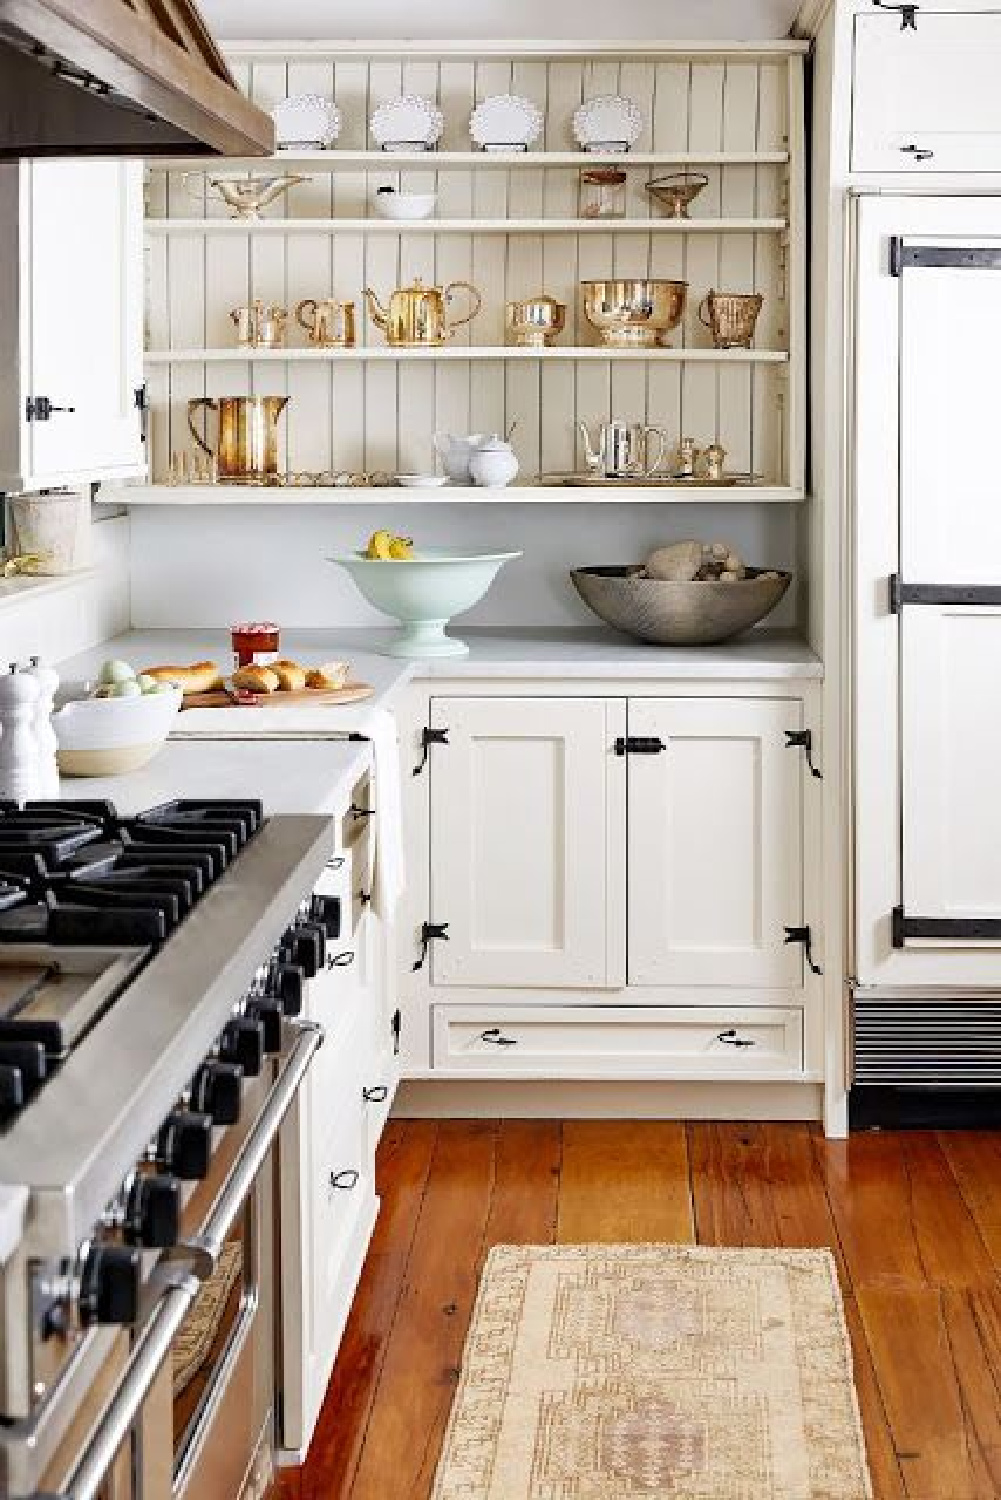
(256, 680)
(199, 677)
(291, 677)
(331, 676)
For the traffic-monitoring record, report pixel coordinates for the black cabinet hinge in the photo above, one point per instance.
(908, 13)
(40, 409)
(635, 744)
(802, 739)
(431, 932)
(429, 737)
(142, 407)
(805, 936)
(395, 1030)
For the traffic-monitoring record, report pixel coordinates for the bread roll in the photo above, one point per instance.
(200, 677)
(331, 676)
(256, 680)
(291, 677)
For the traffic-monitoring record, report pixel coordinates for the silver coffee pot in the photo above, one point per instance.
(622, 450)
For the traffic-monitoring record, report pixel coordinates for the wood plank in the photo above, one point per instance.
(524, 1205)
(924, 1392)
(422, 1360)
(884, 1466)
(624, 1181)
(402, 1166)
(975, 1162)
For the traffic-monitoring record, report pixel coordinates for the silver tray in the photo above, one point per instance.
(650, 481)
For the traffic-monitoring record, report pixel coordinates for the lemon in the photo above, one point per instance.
(379, 544)
(401, 548)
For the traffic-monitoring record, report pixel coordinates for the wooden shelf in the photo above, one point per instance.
(464, 226)
(234, 495)
(444, 161)
(376, 352)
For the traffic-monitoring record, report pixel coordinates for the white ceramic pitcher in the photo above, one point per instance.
(455, 453)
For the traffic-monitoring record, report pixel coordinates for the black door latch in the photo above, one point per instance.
(908, 13)
(431, 932)
(429, 737)
(802, 739)
(635, 744)
(804, 935)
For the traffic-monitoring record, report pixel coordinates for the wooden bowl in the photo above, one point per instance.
(678, 614)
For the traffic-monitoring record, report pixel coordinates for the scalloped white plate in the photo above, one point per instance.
(609, 122)
(306, 120)
(409, 121)
(505, 120)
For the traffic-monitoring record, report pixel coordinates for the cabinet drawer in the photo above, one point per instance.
(619, 1041)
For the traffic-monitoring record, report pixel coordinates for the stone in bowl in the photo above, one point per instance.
(679, 614)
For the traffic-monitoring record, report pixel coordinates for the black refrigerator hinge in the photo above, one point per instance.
(431, 932)
(636, 744)
(802, 739)
(805, 936)
(429, 737)
(908, 13)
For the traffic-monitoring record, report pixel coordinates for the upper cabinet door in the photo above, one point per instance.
(927, 99)
(715, 844)
(82, 322)
(527, 861)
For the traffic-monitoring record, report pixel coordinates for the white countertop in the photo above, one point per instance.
(298, 776)
(508, 653)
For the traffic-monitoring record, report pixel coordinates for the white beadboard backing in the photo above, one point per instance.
(210, 567)
(382, 414)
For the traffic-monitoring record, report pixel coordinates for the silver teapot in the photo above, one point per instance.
(622, 450)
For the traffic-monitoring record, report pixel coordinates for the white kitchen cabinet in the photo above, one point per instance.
(71, 331)
(527, 854)
(926, 99)
(715, 865)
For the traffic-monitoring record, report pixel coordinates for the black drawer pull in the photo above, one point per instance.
(918, 153)
(340, 960)
(377, 1094)
(731, 1039)
(360, 812)
(496, 1038)
(336, 863)
(345, 1180)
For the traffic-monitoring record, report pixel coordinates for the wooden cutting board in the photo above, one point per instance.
(353, 692)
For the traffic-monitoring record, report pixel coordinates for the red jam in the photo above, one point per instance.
(255, 644)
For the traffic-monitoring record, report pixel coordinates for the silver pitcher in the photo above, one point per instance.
(622, 450)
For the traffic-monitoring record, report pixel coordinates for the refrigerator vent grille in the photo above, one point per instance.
(923, 1043)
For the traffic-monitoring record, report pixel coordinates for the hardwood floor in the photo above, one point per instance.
(914, 1221)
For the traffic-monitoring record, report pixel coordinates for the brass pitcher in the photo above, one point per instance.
(731, 317)
(416, 313)
(260, 325)
(247, 448)
(328, 323)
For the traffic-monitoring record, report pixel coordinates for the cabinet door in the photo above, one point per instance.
(527, 858)
(85, 272)
(715, 844)
(927, 99)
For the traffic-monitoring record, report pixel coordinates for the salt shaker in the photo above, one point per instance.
(46, 743)
(19, 694)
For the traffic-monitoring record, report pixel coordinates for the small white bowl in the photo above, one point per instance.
(109, 736)
(421, 481)
(410, 206)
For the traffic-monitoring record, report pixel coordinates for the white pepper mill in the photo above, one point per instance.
(19, 694)
(46, 743)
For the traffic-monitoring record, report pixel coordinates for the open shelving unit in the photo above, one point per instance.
(510, 223)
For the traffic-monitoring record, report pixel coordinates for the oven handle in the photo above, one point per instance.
(233, 1193)
(153, 1343)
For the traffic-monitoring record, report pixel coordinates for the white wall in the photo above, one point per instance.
(565, 20)
(211, 566)
(64, 616)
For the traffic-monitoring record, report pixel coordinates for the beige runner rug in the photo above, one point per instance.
(655, 1372)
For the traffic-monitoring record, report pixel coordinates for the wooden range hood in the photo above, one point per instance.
(119, 78)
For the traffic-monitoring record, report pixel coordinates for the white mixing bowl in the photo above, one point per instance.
(404, 205)
(109, 736)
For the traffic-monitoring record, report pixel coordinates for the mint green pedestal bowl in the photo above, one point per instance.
(423, 593)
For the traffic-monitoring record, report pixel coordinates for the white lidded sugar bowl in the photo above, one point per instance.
(492, 463)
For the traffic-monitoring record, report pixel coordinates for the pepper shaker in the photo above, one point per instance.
(46, 743)
(19, 694)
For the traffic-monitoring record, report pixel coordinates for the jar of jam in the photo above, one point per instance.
(255, 644)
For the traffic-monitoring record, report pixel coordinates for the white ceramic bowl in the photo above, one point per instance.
(421, 481)
(424, 592)
(404, 205)
(109, 736)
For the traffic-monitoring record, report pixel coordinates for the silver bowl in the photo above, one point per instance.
(637, 313)
(678, 614)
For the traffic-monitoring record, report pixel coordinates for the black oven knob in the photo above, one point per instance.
(305, 945)
(27, 1060)
(327, 911)
(286, 982)
(269, 1013)
(216, 1090)
(152, 1212)
(242, 1042)
(109, 1285)
(184, 1144)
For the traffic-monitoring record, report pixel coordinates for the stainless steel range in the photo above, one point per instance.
(151, 975)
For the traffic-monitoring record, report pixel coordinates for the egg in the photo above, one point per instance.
(115, 671)
(129, 688)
